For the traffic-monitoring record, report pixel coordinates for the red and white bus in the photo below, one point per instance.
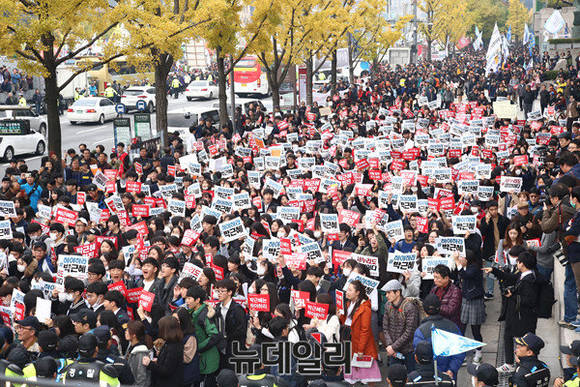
(250, 77)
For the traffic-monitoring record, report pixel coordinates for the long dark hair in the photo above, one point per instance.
(185, 321)
(362, 296)
(170, 330)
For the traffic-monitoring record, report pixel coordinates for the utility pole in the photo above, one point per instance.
(414, 58)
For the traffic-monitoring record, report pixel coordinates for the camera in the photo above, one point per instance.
(508, 289)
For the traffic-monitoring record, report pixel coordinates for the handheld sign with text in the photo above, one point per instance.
(146, 300)
(316, 310)
(339, 301)
(259, 302)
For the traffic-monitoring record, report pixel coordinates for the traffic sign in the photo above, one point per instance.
(120, 108)
(122, 130)
(142, 125)
(141, 105)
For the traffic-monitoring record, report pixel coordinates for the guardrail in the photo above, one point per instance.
(6, 381)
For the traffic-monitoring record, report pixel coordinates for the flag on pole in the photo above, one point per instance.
(449, 344)
(494, 51)
(509, 34)
(526, 37)
(478, 42)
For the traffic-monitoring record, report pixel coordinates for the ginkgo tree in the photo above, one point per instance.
(42, 34)
(453, 21)
(156, 31)
(517, 16)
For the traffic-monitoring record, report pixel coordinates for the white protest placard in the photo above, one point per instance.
(223, 205)
(400, 262)
(287, 213)
(271, 249)
(191, 270)
(176, 207)
(369, 261)
(484, 193)
(463, 224)
(242, 201)
(467, 186)
(408, 203)
(274, 186)
(205, 210)
(329, 223)
(195, 190)
(232, 230)
(42, 310)
(100, 180)
(429, 263)
(449, 245)
(369, 283)
(394, 230)
(5, 230)
(7, 208)
(312, 251)
(510, 184)
(71, 266)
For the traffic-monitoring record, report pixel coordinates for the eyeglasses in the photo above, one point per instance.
(21, 328)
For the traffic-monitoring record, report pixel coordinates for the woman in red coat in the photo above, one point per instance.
(358, 318)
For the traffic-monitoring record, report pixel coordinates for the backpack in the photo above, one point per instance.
(418, 304)
(220, 340)
(546, 298)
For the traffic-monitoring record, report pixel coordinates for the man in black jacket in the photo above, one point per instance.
(424, 374)
(343, 242)
(231, 319)
(530, 370)
(519, 308)
(164, 294)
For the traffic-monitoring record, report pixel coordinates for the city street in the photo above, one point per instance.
(95, 134)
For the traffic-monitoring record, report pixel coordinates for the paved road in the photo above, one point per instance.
(95, 134)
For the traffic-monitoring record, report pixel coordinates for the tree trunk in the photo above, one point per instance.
(350, 60)
(429, 43)
(162, 69)
(309, 76)
(54, 132)
(222, 89)
(333, 70)
(275, 87)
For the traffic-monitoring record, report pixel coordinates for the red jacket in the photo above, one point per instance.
(362, 339)
(450, 302)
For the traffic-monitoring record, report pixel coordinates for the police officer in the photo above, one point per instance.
(424, 374)
(87, 367)
(44, 367)
(484, 375)
(572, 352)
(175, 86)
(110, 92)
(397, 375)
(530, 371)
(110, 355)
(15, 361)
(260, 378)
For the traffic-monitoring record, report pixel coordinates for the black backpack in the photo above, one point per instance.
(546, 297)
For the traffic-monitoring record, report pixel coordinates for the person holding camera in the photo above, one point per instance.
(519, 309)
(572, 246)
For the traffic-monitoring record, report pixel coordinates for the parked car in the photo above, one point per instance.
(201, 89)
(17, 138)
(181, 120)
(91, 109)
(12, 112)
(133, 94)
(247, 104)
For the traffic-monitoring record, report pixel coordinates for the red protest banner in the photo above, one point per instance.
(339, 256)
(133, 186)
(140, 210)
(87, 250)
(133, 295)
(422, 225)
(141, 228)
(66, 216)
(521, 160)
(120, 286)
(219, 271)
(300, 298)
(81, 198)
(316, 310)
(339, 300)
(146, 300)
(296, 261)
(189, 237)
(259, 302)
(349, 217)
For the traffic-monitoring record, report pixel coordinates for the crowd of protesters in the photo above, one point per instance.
(287, 229)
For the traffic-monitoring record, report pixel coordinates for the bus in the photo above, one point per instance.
(121, 71)
(250, 77)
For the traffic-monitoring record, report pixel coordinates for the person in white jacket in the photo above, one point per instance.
(330, 327)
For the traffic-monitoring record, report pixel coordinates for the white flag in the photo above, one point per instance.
(555, 22)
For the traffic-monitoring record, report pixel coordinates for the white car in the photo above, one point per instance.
(12, 112)
(201, 89)
(133, 94)
(91, 109)
(17, 138)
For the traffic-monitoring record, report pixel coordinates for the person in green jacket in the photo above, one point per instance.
(206, 333)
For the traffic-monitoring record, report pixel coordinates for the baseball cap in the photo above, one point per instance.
(533, 342)
(85, 316)
(87, 345)
(102, 333)
(47, 340)
(45, 367)
(28, 321)
(397, 373)
(572, 349)
(227, 378)
(424, 352)
(484, 373)
(392, 285)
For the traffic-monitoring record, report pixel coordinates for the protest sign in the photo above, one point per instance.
(299, 298)
(176, 207)
(369, 283)
(65, 216)
(71, 266)
(339, 301)
(312, 251)
(339, 256)
(394, 230)
(369, 261)
(463, 224)
(259, 302)
(316, 310)
(146, 300)
(428, 264)
(510, 184)
(7, 208)
(232, 230)
(449, 245)
(5, 230)
(329, 223)
(400, 262)
(133, 295)
(191, 270)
